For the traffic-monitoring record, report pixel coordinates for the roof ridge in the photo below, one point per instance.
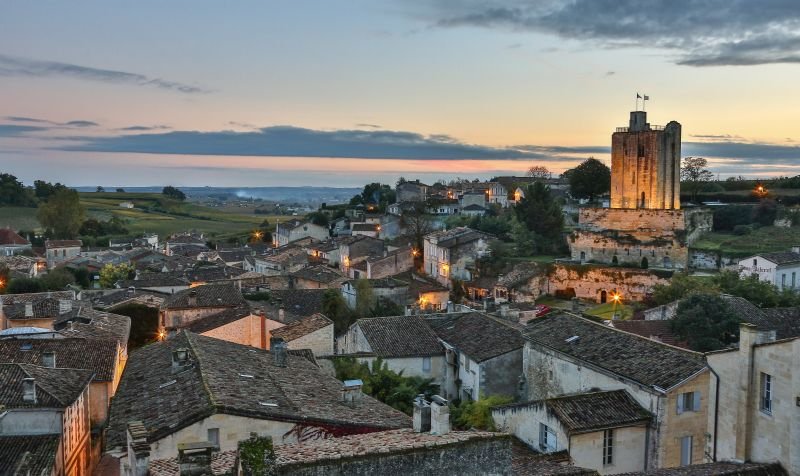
(189, 339)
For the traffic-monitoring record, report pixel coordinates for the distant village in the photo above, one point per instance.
(515, 326)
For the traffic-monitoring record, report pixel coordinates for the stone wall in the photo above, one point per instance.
(395, 263)
(320, 341)
(471, 457)
(501, 375)
(592, 281)
(244, 331)
(689, 423)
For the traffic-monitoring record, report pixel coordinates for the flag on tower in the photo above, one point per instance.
(646, 97)
(638, 96)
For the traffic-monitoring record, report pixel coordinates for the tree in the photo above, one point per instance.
(478, 413)
(542, 215)
(365, 296)
(56, 280)
(120, 190)
(100, 189)
(680, 286)
(62, 214)
(694, 175)
(23, 285)
(335, 308)
(589, 179)
(13, 192)
(319, 218)
(538, 172)
(173, 193)
(418, 224)
(705, 322)
(110, 274)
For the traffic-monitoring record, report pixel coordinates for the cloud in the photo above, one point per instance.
(16, 130)
(74, 123)
(692, 33)
(27, 119)
(15, 66)
(371, 126)
(290, 141)
(81, 124)
(143, 128)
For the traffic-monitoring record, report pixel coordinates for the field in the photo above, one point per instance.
(765, 239)
(606, 311)
(152, 213)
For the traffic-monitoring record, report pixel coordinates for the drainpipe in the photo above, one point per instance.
(716, 414)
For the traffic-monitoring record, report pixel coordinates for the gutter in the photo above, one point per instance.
(716, 414)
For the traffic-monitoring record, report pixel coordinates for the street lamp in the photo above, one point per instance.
(616, 299)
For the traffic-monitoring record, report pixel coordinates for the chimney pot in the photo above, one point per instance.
(422, 414)
(192, 298)
(440, 416)
(180, 359)
(28, 309)
(49, 359)
(29, 390)
(279, 350)
(64, 306)
(351, 392)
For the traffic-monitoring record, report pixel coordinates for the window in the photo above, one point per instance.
(547, 438)
(766, 393)
(783, 280)
(755, 262)
(466, 363)
(426, 364)
(794, 278)
(686, 450)
(608, 447)
(689, 402)
(213, 436)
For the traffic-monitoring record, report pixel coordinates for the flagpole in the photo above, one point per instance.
(636, 108)
(644, 102)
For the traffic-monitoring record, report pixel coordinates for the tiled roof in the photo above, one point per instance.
(94, 324)
(154, 280)
(10, 237)
(368, 444)
(33, 454)
(116, 298)
(303, 327)
(63, 244)
(474, 207)
(477, 335)
(55, 388)
(585, 412)
(208, 295)
(99, 356)
(297, 303)
(784, 320)
(721, 468)
(222, 463)
(456, 236)
(33, 297)
(782, 257)
(218, 319)
(365, 227)
(217, 381)
(400, 336)
(212, 273)
(642, 360)
(320, 274)
(660, 330)
(46, 308)
(526, 462)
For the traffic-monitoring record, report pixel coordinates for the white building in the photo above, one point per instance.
(294, 230)
(781, 268)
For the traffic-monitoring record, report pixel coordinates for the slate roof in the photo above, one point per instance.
(642, 360)
(33, 297)
(303, 327)
(297, 303)
(456, 236)
(10, 237)
(784, 320)
(477, 335)
(55, 388)
(99, 356)
(166, 402)
(781, 257)
(658, 329)
(218, 319)
(123, 296)
(208, 295)
(592, 411)
(94, 324)
(32, 454)
(400, 336)
(319, 274)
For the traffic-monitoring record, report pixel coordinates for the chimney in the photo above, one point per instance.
(29, 390)
(351, 392)
(279, 350)
(422, 414)
(195, 458)
(440, 416)
(64, 306)
(131, 290)
(281, 314)
(180, 359)
(451, 307)
(28, 309)
(138, 449)
(49, 359)
(192, 298)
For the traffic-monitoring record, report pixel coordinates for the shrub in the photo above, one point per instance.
(742, 230)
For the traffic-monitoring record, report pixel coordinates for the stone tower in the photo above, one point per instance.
(645, 165)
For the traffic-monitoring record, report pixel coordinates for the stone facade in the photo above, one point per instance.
(597, 283)
(320, 342)
(249, 330)
(645, 165)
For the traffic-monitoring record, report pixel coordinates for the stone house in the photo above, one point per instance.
(405, 343)
(470, 198)
(756, 394)
(314, 332)
(47, 410)
(605, 430)
(327, 252)
(11, 243)
(451, 254)
(411, 192)
(483, 354)
(780, 268)
(192, 388)
(497, 193)
(473, 210)
(425, 294)
(566, 354)
(378, 266)
(281, 261)
(388, 289)
(443, 206)
(23, 266)
(317, 277)
(35, 309)
(185, 245)
(294, 230)
(289, 305)
(372, 230)
(58, 251)
(353, 250)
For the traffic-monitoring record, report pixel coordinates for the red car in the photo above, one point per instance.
(541, 310)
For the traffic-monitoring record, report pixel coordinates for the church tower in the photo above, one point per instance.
(645, 165)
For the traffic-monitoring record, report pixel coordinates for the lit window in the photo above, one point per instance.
(766, 393)
(608, 447)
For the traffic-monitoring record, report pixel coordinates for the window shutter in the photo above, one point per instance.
(696, 403)
(680, 404)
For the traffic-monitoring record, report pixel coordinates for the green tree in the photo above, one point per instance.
(478, 413)
(318, 218)
(589, 179)
(680, 286)
(43, 190)
(62, 214)
(110, 274)
(542, 215)
(705, 322)
(100, 189)
(173, 193)
(120, 190)
(538, 172)
(335, 308)
(695, 175)
(144, 324)
(13, 192)
(365, 298)
(24, 285)
(378, 195)
(56, 280)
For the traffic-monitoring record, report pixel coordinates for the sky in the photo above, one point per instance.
(262, 93)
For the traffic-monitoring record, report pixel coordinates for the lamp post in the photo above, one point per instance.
(615, 299)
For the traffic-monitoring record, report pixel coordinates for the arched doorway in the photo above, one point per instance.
(583, 256)
(603, 296)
